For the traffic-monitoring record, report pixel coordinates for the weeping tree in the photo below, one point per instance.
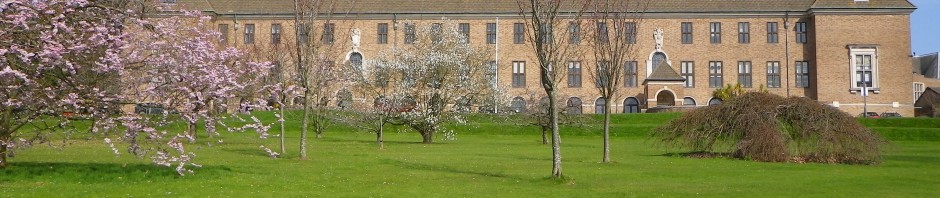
(766, 127)
(425, 83)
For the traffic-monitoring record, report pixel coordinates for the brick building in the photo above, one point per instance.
(821, 49)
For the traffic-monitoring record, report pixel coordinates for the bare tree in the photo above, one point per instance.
(544, 17)
(615, 28)
(316, 70)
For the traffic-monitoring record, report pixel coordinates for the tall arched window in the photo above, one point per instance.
(658, 58)
(573, 106)
(518, 105)
(688, 101)
(714, 101)
(631, 105)
(356, 60)
(599, 106)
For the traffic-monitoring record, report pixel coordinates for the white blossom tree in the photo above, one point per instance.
(430, 82)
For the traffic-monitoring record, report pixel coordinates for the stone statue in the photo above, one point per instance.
(356, 38)
(658, 35)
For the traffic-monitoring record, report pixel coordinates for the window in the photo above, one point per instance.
(382, 32)
(744, 74)
(344, 99)
(464, 29)
(547, 34)
(518, 105)
(275, 33)
(223, 31)
(714, 75)
(437, 29)
(491, 33)
(715, 30)
(864, 64)
(410, 33)
(574, 74)
(573, 106)
(801, 32)
(744, 32)
(688, 101)
(772, 30)
(574, 33)
(168, 1)
(773, 74)
(802, 74)
(518, 33)
(249, 33)
(630, 74)
(518, 74)
(918, 90)
(600, 105)
(356, 60)
(630, 29)
(714, 101)
(601, 35)
(631, 105)
(327, 37)
(658, 58)
(688, 72)
(686, 32)
(601, 77)
(304, 33)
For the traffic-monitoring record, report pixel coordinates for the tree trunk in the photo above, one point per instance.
(427, 137)
(192, 131)
(283, 147)
(606, 131)
(305, 126)
(3, 153)
(378, 134)
(545, 134)
(556, 138)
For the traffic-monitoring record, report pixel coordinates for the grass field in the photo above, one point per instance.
(491, 158)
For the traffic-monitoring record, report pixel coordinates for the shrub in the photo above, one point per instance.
(766, 127)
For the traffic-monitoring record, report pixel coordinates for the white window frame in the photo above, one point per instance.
(857, 50)
(919, 89)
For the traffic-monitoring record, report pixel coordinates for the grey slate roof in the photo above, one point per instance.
(664, 72)
(510, 6)
(927, 65)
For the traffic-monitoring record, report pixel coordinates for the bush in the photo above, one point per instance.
(766, 127)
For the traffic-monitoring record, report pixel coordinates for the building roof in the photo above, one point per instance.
(927, 65)
(664, 72)
(510, 6)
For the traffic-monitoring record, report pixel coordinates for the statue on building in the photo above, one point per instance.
(356, 38)
(658, 35)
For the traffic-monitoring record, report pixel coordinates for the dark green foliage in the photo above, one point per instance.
(766, 127)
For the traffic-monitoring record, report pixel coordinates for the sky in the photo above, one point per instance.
(925, 27)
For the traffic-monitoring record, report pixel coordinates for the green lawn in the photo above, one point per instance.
(489, 158)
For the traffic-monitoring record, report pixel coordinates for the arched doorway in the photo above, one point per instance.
(631, 105)
(599, 106)
(518, 105)
(665, 98)
(573, 106)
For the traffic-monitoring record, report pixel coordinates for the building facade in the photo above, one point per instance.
(826, 50)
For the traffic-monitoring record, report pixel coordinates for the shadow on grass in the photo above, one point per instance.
(373, 141)
(447, 169)
(98, 172)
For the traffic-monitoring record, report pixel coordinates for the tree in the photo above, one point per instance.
(315, 70)
(58, 62)
(543, 19)
(614, 43)
(425, 80)
(766, 127)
